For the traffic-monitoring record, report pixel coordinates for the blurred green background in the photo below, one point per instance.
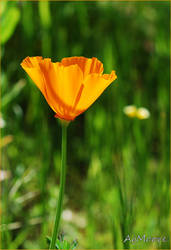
(118, 168)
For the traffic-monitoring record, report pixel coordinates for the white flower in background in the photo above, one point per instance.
(140, 113)
(2, 122)
(67, 215)
(143, 113)
(130, 110)
(77, 218)
(4, 175)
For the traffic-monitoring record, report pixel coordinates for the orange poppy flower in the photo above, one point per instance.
(69, 86)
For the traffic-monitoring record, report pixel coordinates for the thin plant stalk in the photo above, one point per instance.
(62, 186)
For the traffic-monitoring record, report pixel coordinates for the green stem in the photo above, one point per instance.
(62, 185)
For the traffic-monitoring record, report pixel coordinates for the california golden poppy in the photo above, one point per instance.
(69, 86)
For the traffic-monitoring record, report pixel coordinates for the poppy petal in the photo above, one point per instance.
(94, 85)
(31, 66)
(62, 82)
(87, 65)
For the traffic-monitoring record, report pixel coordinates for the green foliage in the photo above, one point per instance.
(44, 12)
(9, 20)
(15, 91)
(118, 172)
(63, 244)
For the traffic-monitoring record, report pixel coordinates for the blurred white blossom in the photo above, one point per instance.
(143, 113)
(4, 175)
(140, 113)
(77, 218)
(2, 122)
(130, 110)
